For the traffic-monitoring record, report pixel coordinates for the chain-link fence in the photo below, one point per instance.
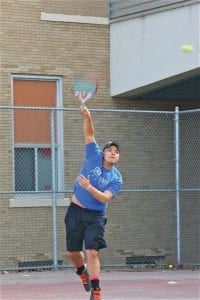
(153, 220)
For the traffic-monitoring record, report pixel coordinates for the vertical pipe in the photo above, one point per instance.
(177, 183)
(36, 170)
(53, 169)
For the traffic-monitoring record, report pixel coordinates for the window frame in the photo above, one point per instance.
(59, 146)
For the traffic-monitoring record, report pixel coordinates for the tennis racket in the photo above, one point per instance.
(84, 87)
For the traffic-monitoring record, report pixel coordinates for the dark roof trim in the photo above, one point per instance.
(120, 10)
(159, 84)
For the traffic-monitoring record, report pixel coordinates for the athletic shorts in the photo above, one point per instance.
(84, 228)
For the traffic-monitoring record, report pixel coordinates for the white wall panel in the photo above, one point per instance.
(146, 49)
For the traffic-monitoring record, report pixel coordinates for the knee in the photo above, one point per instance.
(92, 253)
(69, 254)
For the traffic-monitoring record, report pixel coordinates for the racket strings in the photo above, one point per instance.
(84, 87)
(83, 96)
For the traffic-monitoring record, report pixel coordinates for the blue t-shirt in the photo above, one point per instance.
(101, 178)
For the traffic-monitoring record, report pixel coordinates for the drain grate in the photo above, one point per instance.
(39, 263)
(143, 259)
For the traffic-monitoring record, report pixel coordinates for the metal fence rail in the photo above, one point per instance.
(153, 220)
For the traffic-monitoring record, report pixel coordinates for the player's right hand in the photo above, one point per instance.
(84, 110)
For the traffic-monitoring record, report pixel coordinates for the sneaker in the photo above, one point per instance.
(85, 280)
(95, 294)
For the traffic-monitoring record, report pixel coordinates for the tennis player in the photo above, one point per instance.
(98, 182)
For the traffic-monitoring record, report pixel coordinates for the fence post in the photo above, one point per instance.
(53, 169)
(177, 185)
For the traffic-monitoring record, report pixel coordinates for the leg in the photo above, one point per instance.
(94, 273)
(77, 257)
(74, 238)
(93, 262)
(94, 240)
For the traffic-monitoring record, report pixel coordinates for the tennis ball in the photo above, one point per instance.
(170, 266)
(187, 48)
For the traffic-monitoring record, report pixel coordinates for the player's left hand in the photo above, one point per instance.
(83, 181)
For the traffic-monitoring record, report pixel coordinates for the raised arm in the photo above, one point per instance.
(84, 182)
(88, 126)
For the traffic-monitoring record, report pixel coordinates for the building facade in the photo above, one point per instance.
(44, 44)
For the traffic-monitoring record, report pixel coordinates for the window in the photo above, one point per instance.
(32, 133)
(33, 169)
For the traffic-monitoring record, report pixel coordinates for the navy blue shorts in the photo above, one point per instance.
(84, 227)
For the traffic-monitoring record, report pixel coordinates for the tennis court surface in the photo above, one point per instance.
(116, 285)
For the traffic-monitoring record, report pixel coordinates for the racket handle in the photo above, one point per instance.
(82, 107)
